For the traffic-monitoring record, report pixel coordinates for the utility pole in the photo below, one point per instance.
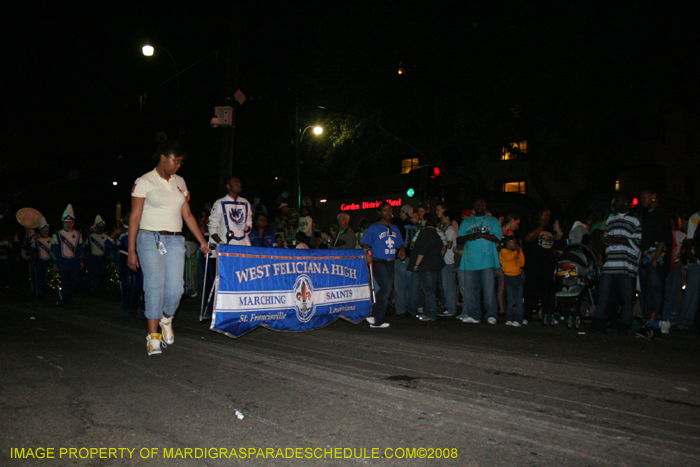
(232, 66)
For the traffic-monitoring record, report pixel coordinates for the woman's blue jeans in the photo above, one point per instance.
(163, 274)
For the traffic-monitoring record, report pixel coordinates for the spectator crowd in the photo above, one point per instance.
(433, 261)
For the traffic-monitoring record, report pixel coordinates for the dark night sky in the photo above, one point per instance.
(73, 77)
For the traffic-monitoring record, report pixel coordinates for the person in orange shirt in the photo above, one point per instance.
(512, 261)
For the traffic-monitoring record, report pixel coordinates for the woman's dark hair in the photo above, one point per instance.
(257, 216)
(169, 147)
(430, 219)
(449, 214)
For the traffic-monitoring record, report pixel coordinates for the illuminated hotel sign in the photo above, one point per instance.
(369, 205)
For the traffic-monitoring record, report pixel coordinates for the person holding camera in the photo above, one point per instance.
(480, 234)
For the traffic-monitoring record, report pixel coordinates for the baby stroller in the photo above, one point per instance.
(576, 284)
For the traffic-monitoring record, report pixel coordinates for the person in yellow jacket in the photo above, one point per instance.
(512, 261)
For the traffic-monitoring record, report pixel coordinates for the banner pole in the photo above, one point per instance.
(371, 279)
(204, 288)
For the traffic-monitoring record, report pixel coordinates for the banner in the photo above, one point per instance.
(288, 290)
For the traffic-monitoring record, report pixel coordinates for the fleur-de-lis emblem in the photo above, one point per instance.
(304, 295)
(304, 298)
(390, 242)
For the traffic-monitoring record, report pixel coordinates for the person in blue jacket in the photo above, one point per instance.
(261, 235)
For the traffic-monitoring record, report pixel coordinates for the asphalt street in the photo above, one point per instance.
(77, 388)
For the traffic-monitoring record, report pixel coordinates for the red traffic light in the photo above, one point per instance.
(635, 202)
(436, 171)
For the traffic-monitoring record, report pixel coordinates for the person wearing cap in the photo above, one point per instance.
(159, 204)
(95, 253)
(67, 255)
(40, 252)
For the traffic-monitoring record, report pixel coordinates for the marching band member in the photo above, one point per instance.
(230, 221)
(40, 251)
(130, 282)
(67, 255)
(231, 218)
(96, 255)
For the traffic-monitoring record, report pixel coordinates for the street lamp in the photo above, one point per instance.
(300, 135)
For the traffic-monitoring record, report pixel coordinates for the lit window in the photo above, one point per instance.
(514, 187)
(408, 164)
(617, 185)
(512, 150)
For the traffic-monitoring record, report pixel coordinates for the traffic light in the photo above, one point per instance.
(434, 183)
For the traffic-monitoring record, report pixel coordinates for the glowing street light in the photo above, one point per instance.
(148, 51)
(300, 135)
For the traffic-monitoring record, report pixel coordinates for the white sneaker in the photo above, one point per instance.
(153, 344)
(509, 323)
(379, 326)
(370, 319)
(515, 324)
(166, 326)
(525, 322)
(470, 320)
(665, 326)
(492, 320)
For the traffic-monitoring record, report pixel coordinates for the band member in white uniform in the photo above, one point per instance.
(231, 217)
(67, 255)
(96, 255)
(230, 222)
(40, 250)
